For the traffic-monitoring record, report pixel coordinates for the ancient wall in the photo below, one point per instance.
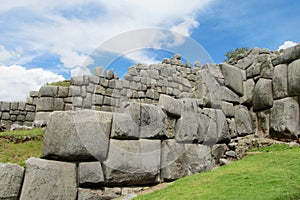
(159, 123)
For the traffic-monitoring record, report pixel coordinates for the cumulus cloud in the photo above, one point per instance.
(72, 29)
(287, 44)
(16, 81)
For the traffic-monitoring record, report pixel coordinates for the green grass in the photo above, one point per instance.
(272, 174)
(17, 146)
(65, 83)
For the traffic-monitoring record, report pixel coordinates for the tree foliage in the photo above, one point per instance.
(233, 54)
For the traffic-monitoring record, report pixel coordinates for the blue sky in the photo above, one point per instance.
(46, 41)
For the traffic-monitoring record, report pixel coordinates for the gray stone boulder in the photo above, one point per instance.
(11, 179)
(170, 105)
(173, 165)
(48, 91)
(45, 179)
(263, 95)
(229, 96)
(99, 194)
(187, 124)
(233, 78)
(243, 121)
(132, 162)
(294, 78)
(213, 127)
(124, 126)
(280, 81)
(77, 135)
(247, 98)
(218, 151)
(208, 89)
(45, 104)
(90, 174)
(179, 160)
(289, 55)
(152, 122)
(284, 119)
(253, 70)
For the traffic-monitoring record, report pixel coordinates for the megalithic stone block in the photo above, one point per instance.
(77, 135)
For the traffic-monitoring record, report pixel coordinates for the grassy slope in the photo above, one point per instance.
(18, 146)
(272, 174)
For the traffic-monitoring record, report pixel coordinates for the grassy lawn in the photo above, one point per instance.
(272, 174)
(18, 146)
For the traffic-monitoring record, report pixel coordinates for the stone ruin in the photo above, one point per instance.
(106, 135)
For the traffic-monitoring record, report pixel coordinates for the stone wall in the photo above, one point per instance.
(159, 123)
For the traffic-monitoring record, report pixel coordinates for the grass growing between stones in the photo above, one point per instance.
(274, 173)
(18, 146)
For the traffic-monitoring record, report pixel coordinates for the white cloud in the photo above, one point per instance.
(61, 27)
(16, 81)
(287, 44)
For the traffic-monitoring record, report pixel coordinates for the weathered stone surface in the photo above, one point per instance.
(170, 105)
(280, 82)
(233, 78)
(11, 179)
(232, 127)
(289, 55)
(229, 96)
(284, 119)
(294, 78)
(152, 122)
(267, 69)
(41, 118)
(228, 109)
(5, 106)
(253, 70)
(132, 162)
(99, 194)
(243, 121)
(83, 135)
(58, 104)
(125, 125)
(45, 179)
(247, 98)
(213, 127)
(173, 165)
(263, 95)
(48, 91)
(179, 160)
(217, 151)
(187, 124)
(45, 104)
(99, 71)
(63, 92)
(90, 174)
(109, 74)
(208, 89)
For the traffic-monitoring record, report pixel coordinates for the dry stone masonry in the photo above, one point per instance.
(158, 123)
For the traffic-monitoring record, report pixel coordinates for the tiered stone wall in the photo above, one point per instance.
(159, 123)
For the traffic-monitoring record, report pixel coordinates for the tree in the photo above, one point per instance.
(234, 54)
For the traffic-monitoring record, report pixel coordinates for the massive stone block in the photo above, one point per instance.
(179, 160)
(48, 91)
(289, 55)
(133, 162)
(11, 179)
(247, 98)
(294, 78)
(123, 126)
(170, 105)
(90, 174)
(233, 78)
(213, 127)
(45, 104)
(152, 122)
(45, 179)
(280, 82)
(263, 95)
(243, 121)
(284, 119)
(77, 135)
(187, 124)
